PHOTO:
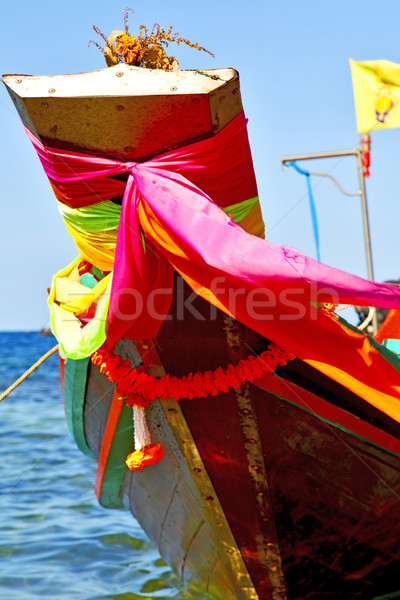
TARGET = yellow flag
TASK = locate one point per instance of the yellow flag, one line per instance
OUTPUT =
(376, 86)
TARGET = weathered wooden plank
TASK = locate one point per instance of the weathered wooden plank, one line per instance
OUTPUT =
(99, 395)
(336, 504)
(127, 112)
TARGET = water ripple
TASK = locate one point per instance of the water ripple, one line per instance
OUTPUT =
(55, 540)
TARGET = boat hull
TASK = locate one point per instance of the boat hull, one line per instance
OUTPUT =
(284, 488)
(268, 491)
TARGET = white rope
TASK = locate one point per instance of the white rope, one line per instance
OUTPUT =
(368, 318)
(142, 434)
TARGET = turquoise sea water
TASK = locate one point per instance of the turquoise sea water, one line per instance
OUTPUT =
(55, 540)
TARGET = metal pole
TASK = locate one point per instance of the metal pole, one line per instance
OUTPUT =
(367, 236)
(365, 217)
(358, 154)
(313, 155)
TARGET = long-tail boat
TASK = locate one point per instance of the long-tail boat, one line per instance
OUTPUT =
(277, 474)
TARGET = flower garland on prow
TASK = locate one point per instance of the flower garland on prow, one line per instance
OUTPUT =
(144, 50)
(139, 389)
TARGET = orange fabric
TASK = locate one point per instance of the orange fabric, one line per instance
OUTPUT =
(253, 222)
(359, 367)
(390, 328)
(322, 341)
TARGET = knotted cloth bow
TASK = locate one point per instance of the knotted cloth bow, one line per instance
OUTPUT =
(174, 200)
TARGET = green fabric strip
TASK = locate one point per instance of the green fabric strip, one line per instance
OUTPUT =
(103, 216)
(239, 211)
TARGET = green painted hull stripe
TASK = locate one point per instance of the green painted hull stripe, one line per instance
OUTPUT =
(75, 379)
(121, 446)
(388, 596)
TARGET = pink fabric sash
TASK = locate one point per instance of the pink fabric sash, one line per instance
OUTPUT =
(185, 228)
(221, 166)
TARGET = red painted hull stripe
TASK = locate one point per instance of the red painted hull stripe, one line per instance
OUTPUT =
(112, 422)
(328, 412)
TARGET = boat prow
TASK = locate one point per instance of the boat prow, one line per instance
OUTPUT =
(279, 479)
(126, 112)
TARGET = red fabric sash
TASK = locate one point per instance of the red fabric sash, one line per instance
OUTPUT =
(185, 229)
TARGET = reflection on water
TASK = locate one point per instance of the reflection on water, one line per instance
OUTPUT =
(55, 540)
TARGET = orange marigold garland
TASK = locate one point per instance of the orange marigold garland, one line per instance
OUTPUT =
(139, 389)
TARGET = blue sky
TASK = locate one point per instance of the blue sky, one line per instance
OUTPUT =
(293, 61)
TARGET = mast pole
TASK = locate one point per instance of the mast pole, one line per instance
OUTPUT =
(364, 207)
(362, 171)
(362, 166)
